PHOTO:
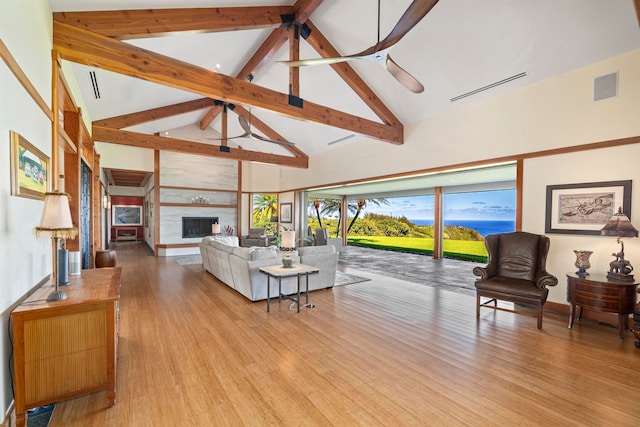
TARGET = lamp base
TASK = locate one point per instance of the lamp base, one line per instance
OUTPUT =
(56, 295)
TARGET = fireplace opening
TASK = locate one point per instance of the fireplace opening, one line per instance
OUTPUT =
(197, 226)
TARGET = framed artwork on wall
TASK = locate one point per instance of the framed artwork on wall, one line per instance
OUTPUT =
(30, 169)
(285, 212)
(126, 215)
(585, 208)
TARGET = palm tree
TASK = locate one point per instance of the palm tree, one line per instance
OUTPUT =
(330, 207)
(361, 203)
(265, 206)
(316, 205)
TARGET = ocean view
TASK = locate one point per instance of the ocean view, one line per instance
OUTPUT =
(483, 227)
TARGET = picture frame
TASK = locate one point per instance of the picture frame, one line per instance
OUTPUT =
(126, 215)
(30, 169)
(585, 208)
(286, 212)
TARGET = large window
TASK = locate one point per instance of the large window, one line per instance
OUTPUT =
(264, 212)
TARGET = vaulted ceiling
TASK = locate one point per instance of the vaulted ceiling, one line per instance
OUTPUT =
(160, 76)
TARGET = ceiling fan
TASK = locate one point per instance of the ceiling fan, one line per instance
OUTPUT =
(246, 126)
(417, 10)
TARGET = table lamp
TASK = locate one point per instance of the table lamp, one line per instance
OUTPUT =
(288, 244)
(56, 223)
(215, 229)
(619, 225)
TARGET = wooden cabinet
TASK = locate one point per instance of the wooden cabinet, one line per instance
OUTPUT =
(68, 348)
(596, 292)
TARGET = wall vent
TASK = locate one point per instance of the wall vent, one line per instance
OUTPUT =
(489, 86)
(605, 87)
(94, 84)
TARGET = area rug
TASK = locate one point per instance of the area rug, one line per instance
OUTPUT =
(189, 259)
(348, 279)
(41, 416)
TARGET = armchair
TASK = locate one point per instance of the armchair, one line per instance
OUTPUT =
(254, 238)
(516, 272)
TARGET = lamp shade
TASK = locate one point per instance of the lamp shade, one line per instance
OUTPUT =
(288, 239)
(215, 228)
(619, 225)
(56, 217)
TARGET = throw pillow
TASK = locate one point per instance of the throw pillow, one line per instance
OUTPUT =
(263, 253)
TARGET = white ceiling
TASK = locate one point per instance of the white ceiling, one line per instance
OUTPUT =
(459, 46)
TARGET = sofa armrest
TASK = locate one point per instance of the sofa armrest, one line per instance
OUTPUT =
(544, 279)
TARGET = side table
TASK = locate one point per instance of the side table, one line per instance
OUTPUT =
(279, 272)
(596, 292)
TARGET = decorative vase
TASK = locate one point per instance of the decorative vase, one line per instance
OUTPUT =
(582, 262)
(287, 261)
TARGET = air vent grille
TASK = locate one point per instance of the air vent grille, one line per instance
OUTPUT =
(489, 86)
(94, 84)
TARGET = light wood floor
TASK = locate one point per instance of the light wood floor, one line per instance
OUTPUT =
(193, 352)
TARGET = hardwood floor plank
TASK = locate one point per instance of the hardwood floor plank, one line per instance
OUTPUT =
(194, 352)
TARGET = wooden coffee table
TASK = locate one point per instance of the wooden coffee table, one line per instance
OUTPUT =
(279, 272)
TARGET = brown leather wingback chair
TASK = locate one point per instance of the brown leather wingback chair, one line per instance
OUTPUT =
(516, 271)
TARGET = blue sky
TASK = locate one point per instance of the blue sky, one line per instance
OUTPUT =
(485, 205)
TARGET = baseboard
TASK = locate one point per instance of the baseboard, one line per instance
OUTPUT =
(608, 318)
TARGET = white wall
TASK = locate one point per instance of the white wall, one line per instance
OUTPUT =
(25, 28)
(124, 157)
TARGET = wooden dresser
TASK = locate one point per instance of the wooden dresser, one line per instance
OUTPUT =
(596, 292)
(67, 348)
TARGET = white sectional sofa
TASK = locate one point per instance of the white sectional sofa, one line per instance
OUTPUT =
(238, 267)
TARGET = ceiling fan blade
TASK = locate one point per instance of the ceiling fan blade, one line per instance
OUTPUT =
(320, 61)
(414, 14)
(273, 141)
(247, 128)
(403, 77)
(245, 125)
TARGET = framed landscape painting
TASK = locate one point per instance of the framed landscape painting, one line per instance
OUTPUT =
(30, 169)
(585, 208)
(285, 212)
(126, 215)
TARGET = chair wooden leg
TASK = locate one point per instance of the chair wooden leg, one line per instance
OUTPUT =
(477, 306)
(539, 317)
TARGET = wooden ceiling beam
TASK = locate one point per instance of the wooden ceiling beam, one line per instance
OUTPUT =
(322, 45)
(636, 3)
(263, 55)
(268, 131)
(153, 142)
(153, 114)
(85, 47)
(130, 24)
(302, 10)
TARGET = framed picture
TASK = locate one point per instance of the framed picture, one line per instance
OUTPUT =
(285, 212)
(126, 215)
(585, 208)
(30, 169)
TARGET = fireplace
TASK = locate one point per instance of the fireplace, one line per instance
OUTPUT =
(197, 226)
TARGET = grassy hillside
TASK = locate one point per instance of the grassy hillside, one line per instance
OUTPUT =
(385, 232)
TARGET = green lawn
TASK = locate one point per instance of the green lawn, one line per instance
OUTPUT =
(460, 249)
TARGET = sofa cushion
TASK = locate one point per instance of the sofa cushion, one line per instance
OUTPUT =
(263, 253)
(242, 252)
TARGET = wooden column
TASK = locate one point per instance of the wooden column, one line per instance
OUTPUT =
(519, 180)
(156, 199)
(437, 223)
(344, 213)
(239, 199)
(72, 174)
